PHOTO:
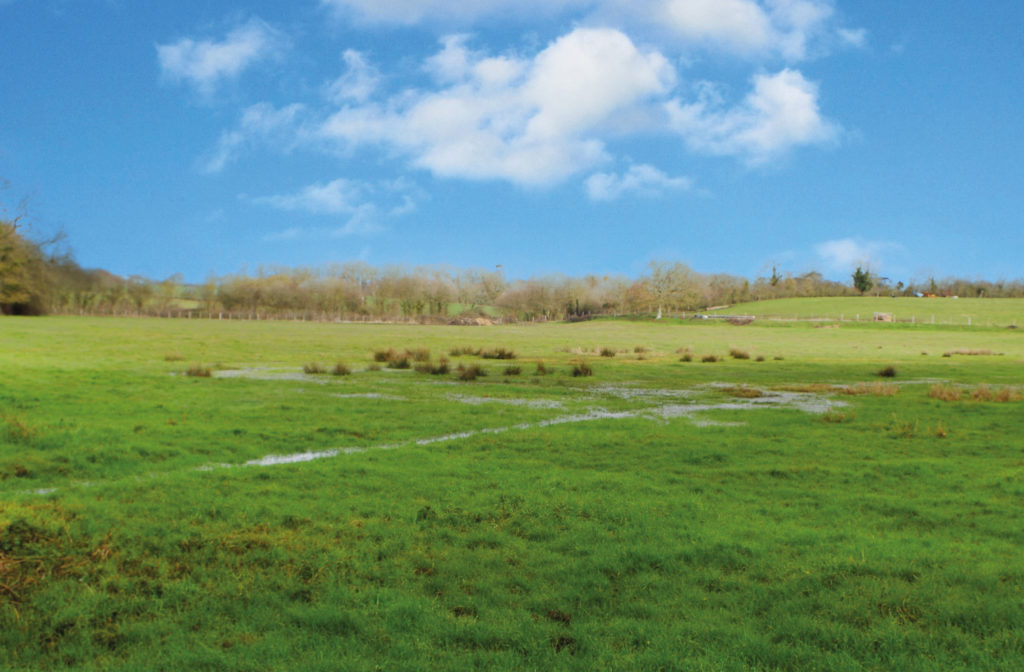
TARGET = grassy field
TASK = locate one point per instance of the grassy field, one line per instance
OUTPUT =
(940, 311)
(785, 507)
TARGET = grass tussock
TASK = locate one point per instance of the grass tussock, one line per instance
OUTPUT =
(174, 357)
(744, 392)
(314, 368)
(512, 370)
(498, 353)
(807, 388)
(19, 431)
(441, 368)
(945, 392)
(736, 353)
(464, 351)
(581, 369)
(607, 352)
(686, 358)
(639, 350)
(710, 359)
(887, 372)
(834, 416)
(199, 371)
(471, 372)
(971, 352)
(542, 369)
(876, 389)
(340, 369)
(981, 393)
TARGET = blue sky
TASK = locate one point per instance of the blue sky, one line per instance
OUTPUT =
(572, 136)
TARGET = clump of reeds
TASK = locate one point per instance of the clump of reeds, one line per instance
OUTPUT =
(710, 359)
(581, 369)
(887, 372)
(471, 372)
(945, 392)
(876, 389)
(314, 368)
(498, 353)
(607, 352)
(340, 369)
(512, 371)
(736, 353)
(199, 371)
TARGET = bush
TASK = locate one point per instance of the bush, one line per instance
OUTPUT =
(580, 369)
(887, 372)
(199, 371)
(341, 370)
(607, 352)
(686, 358)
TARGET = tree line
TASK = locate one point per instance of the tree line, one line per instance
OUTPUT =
(36, 280)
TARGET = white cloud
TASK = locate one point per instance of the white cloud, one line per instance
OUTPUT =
(528, 121)
(747, 27)
(206, 63)
(780, 113)
(409, 12)
(363, 204)
(845, 254)
(260, 123)
(642, 180)
(359, 82)
(853, 37)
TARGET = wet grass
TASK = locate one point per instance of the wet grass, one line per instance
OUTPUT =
(881, 534)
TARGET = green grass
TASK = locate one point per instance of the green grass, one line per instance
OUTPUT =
(678, 522)
(944, 311)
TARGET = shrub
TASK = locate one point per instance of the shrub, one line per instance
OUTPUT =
(341, 370)
(760, 358)
(709, 358)
(313, 367)
(887, 372)
(607, 352)
(736, 353)
(199, 371)
(581, 368)
(471, 372)
(498, 353)
(512, 371)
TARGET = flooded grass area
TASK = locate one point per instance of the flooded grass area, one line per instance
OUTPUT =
(797, 513)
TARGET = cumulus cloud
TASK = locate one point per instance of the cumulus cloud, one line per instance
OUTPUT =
(260, 124)
(781, 112)
(530, 121)
(207, 63)
(845, 254)
(642, 180)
